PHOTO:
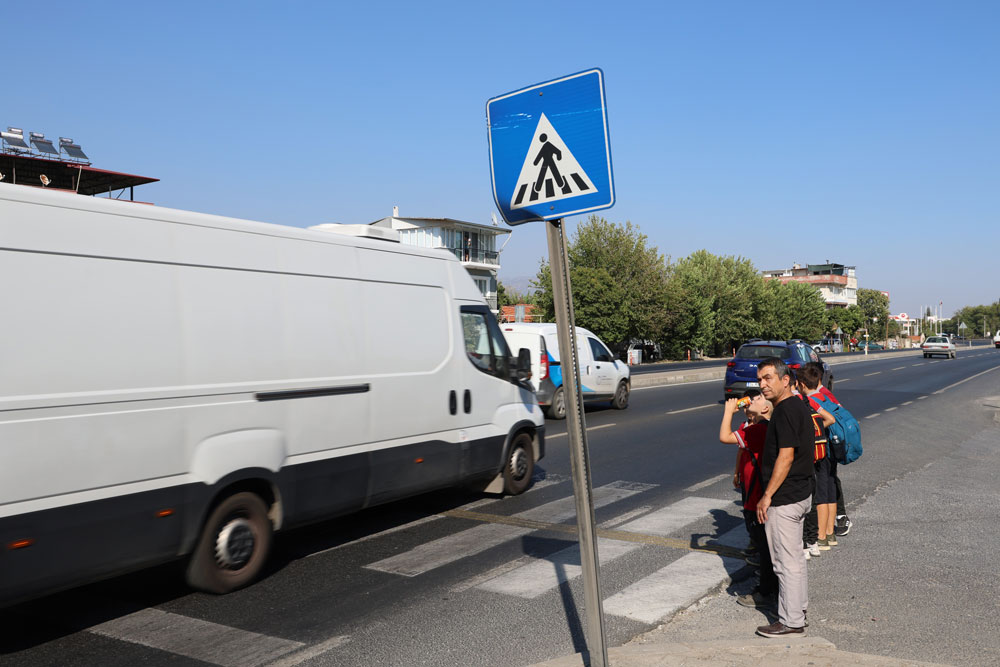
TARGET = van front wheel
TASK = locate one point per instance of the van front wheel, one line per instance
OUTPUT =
(233, 545)
(620, 401)
(520, 465)
(557, 408)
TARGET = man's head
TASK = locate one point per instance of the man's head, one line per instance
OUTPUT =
(775, 379)
(809, 377)
(758, 408)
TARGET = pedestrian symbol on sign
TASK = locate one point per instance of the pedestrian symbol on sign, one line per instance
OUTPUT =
(550, 172)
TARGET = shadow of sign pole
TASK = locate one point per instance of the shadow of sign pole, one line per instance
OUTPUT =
(576, 428)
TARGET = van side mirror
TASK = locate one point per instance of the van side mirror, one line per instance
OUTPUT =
(523, 367)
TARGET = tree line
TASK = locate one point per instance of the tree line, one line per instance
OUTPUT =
(626, 291)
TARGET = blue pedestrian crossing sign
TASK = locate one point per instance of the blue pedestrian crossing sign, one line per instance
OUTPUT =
(550, 154)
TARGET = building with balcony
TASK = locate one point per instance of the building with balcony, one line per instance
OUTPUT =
(837, 283)
(476, 245)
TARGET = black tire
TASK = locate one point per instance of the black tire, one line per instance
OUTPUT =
(829, 385)
(233, 545)
(557, 408)
(519, 466)
(620, 401)
(926, 355)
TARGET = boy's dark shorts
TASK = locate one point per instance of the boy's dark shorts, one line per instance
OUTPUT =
(826, 483)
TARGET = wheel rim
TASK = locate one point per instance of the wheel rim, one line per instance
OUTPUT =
(518, 464)
(559, 404)
(235, 544)
(622, 394)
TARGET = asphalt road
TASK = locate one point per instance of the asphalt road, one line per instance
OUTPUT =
(459, 579)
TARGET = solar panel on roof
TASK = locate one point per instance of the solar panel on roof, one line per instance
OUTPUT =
(14, 140)
(74, 151)
(44, 146)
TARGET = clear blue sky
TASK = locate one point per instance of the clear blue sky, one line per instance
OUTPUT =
(866, 133)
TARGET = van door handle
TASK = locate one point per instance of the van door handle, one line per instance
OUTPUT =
(468, 401)
(453, 402)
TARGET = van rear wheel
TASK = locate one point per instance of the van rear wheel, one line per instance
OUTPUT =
(557, 408)
(620, 401)
(233, 545)
(520, 465)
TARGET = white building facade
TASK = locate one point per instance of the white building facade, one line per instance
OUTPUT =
(477, 246)
(837, 283)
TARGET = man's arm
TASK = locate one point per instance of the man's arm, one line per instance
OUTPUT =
(781, 467)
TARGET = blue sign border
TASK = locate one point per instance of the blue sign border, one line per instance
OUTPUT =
(602, 199)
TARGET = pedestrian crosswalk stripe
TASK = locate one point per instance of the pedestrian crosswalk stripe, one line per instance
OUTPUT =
(194, 638)
(544, 574)
(673, 587)
(550, 172)
(471, 541)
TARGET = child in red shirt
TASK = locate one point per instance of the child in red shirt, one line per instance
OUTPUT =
(750, 438)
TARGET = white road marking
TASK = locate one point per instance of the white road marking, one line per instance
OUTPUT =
(309, 652)
(589, 428)
(971, 377)
(920, 398)
(844, 380)
(890, 409)
(707, 482)
(899, 369)
(549, 480)
(920, 364)
(193, 638)
(673, 587)
(619, 520)
(471, 541)
(544, 574)
(908, 403)
(700, 407)
(873, 416)
(875, 373)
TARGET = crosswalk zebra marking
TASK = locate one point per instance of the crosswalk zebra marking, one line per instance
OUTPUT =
(673, 587)
(194, 638)
(546, 573)
(471, 541)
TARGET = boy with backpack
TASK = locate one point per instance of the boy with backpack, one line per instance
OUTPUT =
(825, 495)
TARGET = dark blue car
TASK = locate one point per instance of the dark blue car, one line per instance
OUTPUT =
(741, 372)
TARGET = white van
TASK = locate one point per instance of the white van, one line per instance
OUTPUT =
(602, 377)
(180, 384)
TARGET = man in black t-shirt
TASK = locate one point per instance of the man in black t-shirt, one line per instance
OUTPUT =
(789, 476)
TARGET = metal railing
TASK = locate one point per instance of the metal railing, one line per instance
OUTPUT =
(477, 256)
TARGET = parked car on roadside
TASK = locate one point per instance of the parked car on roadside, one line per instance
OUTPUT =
(741, 372)
(871, 345)
(996, 340)
(938, 345)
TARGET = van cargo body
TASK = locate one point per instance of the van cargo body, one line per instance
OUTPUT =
(179, 384)
(602, 377)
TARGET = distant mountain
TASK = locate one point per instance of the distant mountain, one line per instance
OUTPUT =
(520, 284)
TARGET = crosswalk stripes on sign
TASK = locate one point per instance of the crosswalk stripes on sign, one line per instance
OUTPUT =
(550, 172)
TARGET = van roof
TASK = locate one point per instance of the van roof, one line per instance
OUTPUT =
(541, 328)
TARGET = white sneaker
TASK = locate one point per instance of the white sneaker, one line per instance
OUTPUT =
(806, 552)
(813, 549)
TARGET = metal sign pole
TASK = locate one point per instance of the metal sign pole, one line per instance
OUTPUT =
(576, 428)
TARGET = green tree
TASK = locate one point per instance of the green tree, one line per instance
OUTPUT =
(619, 283)
(873, 304)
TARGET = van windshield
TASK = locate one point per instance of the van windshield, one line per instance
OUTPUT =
(759, 352)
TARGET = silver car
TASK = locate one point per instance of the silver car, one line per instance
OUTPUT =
(938, 345)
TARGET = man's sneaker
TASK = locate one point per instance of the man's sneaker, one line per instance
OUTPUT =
(757, 600)
(813, 550)
(806, 552)
(843, 526)
(752, 559)
(778, 630)
(831, 540)
(823, 544)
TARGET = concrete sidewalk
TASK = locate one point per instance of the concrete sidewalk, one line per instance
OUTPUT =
(915, 576)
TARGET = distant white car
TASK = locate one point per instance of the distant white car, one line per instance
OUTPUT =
(996, 340)
(938, 345)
